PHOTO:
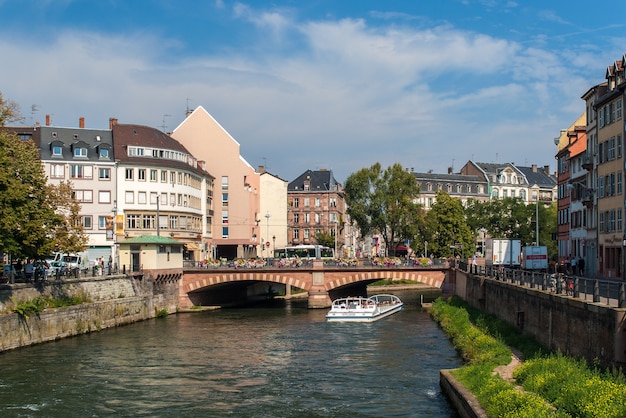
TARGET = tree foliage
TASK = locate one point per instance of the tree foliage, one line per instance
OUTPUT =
(513, 218)
(68, 233)
(383, 202)
(448, 233)
(26, 213)
(29, 220)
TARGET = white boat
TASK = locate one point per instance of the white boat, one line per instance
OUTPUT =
(361, 309)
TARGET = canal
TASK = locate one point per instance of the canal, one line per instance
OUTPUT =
(278, 360)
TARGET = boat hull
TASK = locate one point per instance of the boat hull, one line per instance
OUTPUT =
(360, 309)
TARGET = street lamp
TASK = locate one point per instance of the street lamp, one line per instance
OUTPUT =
(335, 238)
(267, 216)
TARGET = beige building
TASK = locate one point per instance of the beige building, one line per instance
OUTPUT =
(610, 169)
(238, 218)
(273, 204)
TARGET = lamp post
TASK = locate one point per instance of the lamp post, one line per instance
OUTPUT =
(274, 242)
(158, 219)
(267, 216)
(335, 251)
(114, 250)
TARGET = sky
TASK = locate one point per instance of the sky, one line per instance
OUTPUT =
(319, 84)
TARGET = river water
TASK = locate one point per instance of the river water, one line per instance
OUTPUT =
(280, 360)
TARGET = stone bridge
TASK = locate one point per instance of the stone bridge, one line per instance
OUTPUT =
(319, 281)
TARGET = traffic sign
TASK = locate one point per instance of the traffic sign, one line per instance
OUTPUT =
(267, 244)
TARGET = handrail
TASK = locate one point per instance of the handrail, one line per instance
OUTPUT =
(605, 291)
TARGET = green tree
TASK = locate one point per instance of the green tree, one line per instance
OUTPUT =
(384, 202)
(68, 234)
(325, 239)
(26, 213)
(447, 230)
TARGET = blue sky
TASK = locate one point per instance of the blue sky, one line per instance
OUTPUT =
(319, 84)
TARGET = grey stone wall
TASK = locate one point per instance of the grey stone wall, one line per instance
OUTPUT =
(573, 326)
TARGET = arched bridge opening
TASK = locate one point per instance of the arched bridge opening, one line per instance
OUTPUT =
(203, 287)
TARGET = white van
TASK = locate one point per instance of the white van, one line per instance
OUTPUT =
(78, 260)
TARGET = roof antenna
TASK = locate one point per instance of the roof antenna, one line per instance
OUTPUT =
(164, 125)
(187, 110)
(33, 109)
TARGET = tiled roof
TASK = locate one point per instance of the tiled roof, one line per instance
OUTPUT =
(320, 181)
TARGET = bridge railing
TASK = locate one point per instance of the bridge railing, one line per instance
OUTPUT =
(606, 291)
(307, 263)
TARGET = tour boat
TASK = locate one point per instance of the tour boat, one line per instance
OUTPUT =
(361, 309)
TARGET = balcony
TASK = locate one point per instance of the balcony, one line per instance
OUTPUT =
(587, 198)
(587, 162)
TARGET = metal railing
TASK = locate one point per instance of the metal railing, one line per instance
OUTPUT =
(307, 263)
(610, 292)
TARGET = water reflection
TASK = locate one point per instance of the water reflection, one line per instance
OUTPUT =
(270, 362)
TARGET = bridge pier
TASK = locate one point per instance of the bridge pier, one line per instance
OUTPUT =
(319, 297)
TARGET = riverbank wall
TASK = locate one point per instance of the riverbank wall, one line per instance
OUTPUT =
(115, 301)
(575, 327)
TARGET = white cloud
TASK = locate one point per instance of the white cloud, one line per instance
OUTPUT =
(352, 94)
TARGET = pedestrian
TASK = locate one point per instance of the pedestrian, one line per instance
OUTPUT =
(18, 268)
(29, 269)
(581, 267)
(573, 264)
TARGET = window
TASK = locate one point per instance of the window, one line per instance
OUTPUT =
(104, 196)
(78, 171)
(224, 216)
(619, 182)
(104, 153)
(317, 218)
(296, 218)
(318, 202)
(163, 176)
(129, 173)
(307, 218)
(153, 175)
(57, 151)
(102, 222)
(307, 202)
(172, 199)
(87, 222)
(173, 222)
(133, 221)
(163, 200)
(619, 146)
(619, 109)
(224, 232)
(296, 234)
(129, 197)
(104, 173)
(172, 177)
(224, 182)
(83, 196)
(296, 202)
(57, 171)
(142, 198)
(153, 198)
(307, 234)
(148, 222)
(332, 202)
(224, 199)
(80, 152)
(141, 174)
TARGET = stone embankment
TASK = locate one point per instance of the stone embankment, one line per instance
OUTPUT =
(115, 300)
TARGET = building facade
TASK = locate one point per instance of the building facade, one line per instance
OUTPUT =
(457, 186)
(162, 189)
(316, 204)
(610, 172)
(238, 225)
(273, 226)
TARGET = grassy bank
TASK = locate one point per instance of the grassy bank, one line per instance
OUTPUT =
(552, 385)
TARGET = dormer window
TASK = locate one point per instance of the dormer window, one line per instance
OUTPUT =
(80, 152)
(57, 151)
(104, 153)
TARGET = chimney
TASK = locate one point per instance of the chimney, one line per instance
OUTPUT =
(261, 169)
(449, 170)
(534, 167)
(112, 123)
(47, 120)
(81, 122)
(546, 169)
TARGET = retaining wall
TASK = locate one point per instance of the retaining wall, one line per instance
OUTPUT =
(116, 300)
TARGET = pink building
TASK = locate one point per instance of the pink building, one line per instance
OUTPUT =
(237, 223)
